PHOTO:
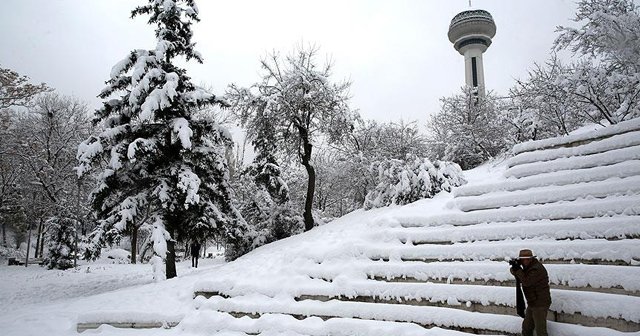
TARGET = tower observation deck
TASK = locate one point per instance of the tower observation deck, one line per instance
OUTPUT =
(471, 32)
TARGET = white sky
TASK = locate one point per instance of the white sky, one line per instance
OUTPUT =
(396, 53)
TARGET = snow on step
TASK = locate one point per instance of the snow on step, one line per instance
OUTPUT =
(617, 227)
(429, 316)
(569, 275)
(627, 250)
(627, 205)
(619, 170)
(578, 162)
(210, 322)
(126, 319)
(614, 142)
(550, 194)
(589, 304)
(620, 128)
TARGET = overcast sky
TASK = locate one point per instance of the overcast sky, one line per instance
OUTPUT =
(396, 53)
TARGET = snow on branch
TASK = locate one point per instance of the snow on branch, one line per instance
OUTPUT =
(402, 182)
(183, 131)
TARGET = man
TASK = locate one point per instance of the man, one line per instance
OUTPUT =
(535, 285)
(195, 253)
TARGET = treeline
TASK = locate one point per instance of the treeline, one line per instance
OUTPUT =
(156, 167)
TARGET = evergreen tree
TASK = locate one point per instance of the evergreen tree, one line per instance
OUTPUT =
(165, 167)
(61, 245)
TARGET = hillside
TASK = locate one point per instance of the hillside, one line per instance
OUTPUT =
(434, 267)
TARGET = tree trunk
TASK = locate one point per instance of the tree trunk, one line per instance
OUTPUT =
(4, 234)
(26, 261)
(38, 239)
(311, 186)
(171, 259)
(134, 243)
(43, 236)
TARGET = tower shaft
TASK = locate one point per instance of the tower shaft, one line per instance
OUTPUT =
(474, 69)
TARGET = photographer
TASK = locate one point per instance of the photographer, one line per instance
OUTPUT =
(535, 285)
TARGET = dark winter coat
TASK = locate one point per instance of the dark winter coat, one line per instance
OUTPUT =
(195, 249)
(535, 284)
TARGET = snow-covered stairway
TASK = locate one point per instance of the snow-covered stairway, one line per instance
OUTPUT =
(437, 267)
(574, 200)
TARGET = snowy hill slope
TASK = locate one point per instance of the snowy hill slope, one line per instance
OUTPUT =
(437, 267)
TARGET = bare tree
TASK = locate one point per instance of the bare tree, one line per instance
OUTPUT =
(606, 76)
(302, 105)
(15, 90)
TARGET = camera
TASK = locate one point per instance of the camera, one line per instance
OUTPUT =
(514, 262)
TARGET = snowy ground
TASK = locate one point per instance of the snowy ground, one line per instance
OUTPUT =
(37, 301)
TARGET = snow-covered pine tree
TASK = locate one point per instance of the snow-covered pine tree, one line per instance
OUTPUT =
(61, 246)
(163, 166)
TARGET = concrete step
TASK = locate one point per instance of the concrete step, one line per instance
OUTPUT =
(551, 194)
(425, 316)
(613, 205)
(578, 139)
(80, 327)
(482, 307)
(590, 251)
(607, 144)
(211, 322)
(126, 320)
(573, 163)
(509, 283)
(620, 312)
(565, 177)
(598, 278)
(610, 228)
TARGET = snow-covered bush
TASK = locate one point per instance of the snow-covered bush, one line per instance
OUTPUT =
(263, 201)
(405, 181)
(115, 256)
(61, 247)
